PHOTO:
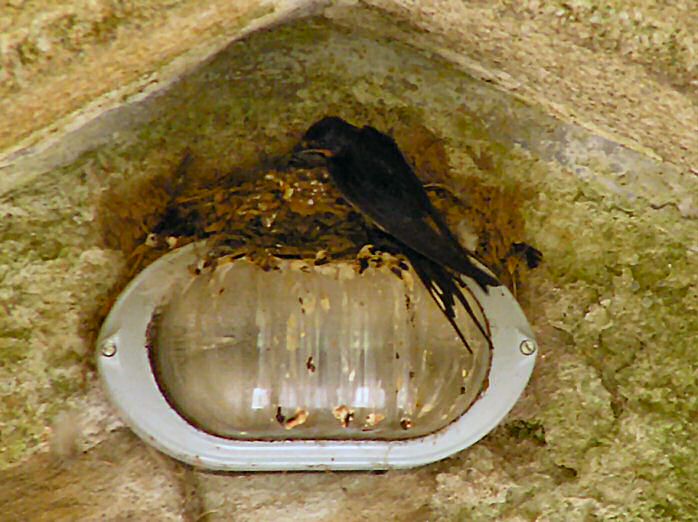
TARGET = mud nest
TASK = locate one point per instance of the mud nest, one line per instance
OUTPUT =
(298, 213)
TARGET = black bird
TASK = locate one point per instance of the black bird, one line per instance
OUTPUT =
(374, 177)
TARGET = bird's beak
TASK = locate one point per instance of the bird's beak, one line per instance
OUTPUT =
(304, 156)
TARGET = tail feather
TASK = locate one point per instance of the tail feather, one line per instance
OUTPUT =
(445, 288)
(482, 277)
(464, 261)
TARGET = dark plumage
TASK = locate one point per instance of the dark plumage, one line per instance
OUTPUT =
(531, 254)
(374, 177)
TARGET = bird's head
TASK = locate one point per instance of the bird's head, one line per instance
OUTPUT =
(324, 139)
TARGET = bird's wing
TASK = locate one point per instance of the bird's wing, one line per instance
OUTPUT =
(380, 183)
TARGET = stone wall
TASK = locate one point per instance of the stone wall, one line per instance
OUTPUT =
(588, 106)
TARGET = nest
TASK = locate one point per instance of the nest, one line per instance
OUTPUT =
(290, 213)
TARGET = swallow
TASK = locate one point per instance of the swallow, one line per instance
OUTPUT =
(375, 178)
(530, 254)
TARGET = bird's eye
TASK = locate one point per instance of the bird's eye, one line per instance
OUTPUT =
(236, 367)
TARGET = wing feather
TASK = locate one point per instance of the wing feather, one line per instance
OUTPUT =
(375, 177)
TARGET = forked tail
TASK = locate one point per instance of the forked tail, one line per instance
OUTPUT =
(445, 288)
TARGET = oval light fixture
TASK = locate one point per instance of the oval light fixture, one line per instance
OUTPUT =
(235, 367)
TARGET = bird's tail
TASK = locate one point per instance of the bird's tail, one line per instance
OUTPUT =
(460, 259)
(445, 288)
(476, 270)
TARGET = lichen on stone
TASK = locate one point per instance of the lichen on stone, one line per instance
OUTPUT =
(605, 429)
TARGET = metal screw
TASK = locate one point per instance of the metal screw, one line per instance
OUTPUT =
(109, 347)
(528, 347)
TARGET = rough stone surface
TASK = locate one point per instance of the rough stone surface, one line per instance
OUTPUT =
(120, 479)
(50, 52)
(604, 431)
(625, 69)
(318, 496)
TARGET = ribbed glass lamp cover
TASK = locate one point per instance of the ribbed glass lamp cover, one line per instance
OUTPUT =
(312, 352)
